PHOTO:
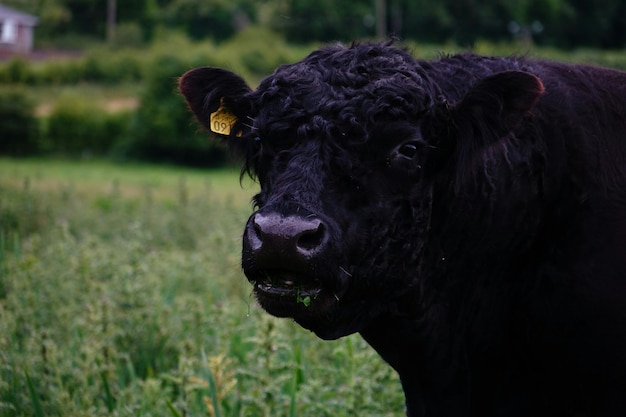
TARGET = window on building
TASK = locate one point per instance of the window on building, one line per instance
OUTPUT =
(8, 31)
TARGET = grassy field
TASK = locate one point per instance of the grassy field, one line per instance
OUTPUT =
(121, 295)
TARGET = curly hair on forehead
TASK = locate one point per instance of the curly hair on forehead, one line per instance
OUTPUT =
(345, 86)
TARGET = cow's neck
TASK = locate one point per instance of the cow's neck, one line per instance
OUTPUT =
(428, 358)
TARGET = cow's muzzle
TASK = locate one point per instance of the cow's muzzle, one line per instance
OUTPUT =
(274, 238)
(286, 257)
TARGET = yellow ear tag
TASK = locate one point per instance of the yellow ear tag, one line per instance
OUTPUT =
(222, 121)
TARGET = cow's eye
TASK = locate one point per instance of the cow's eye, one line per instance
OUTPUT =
(405, 155)
(408, 150)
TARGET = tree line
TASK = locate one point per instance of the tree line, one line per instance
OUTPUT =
(558, 23)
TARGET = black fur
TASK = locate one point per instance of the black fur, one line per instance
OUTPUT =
(469, 219)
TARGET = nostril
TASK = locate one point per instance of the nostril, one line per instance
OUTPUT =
(313, 238)
(254, 234)
(258, 232)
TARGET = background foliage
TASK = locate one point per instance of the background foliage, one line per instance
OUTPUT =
(18, 126)
(560, 23)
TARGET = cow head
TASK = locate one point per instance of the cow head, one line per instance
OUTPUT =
(348, 146)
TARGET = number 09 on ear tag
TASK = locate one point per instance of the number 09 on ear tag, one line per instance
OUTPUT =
(222, 121)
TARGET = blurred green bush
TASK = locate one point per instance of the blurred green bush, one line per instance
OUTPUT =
(161, 129)
(19, 128)
(77, 126)
(254, 52)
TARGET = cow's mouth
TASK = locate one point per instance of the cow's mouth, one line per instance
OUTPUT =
(276, 283)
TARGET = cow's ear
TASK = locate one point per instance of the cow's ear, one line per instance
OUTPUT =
(217, 98)
(500, 102)
(492, 109)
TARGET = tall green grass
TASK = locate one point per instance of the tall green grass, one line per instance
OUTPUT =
(121, 294)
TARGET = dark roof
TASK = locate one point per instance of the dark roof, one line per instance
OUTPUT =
(26, 19)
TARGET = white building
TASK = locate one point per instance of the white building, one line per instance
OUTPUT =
(16, 31)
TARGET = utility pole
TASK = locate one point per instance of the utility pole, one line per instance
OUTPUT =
(111, 20)
(381, 19)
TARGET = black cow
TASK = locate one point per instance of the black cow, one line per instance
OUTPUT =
(467, 216)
